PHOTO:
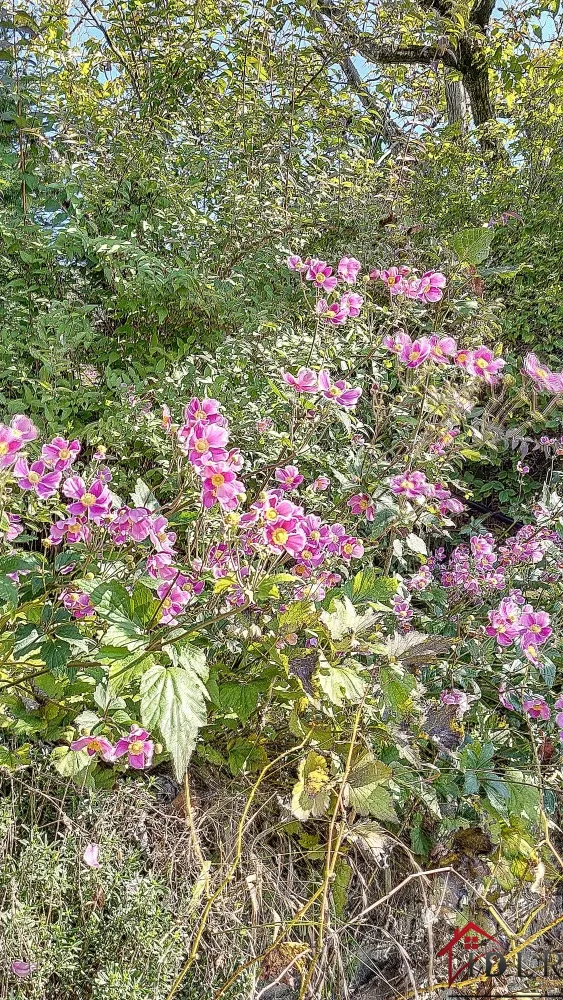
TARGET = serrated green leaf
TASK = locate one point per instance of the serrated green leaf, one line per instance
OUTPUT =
(367, 586)
(246, 756)
(8, 592)
(241, 699)
(472, 246)
(173, 701)
(123, 672)
(55, 655)
(364, 779)
(340, 684)
(69, 763)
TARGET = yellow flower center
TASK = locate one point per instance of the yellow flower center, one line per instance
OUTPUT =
(136, 746)
(320, 278)
(334, 390)
(4, 448)
(535, 628)
(315, 535)
(531, 649)
(88, 499)
(437, 349)
(201, 446)
(271, 514)
(348, 548)
(34, 477)
(217, 479)
(64, 453)
(94, 745)
(391, 280)
(406, 484)
(541, 372)
(73, 529)
(414, 355)
(280, 536)
(306, 554)
(162, 536)
(481, 363)
(462, 358)
(200, 414)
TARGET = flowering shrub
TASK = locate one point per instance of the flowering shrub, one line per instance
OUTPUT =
(268, 595)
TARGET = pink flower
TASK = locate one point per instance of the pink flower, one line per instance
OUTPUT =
(451, 506)
(321, 484)
(60, 453)
(90, 856)
(351, 303)
(455, 697)
(162, 539)
(504, 631)
(444, 441)
(348, 269)
(35, 477)
(205, 443)
(416, 353)
(203, 411)
(22, 969)
(78, 603)
(430, 286)
(334, 313)
(412, 485)
(531, 652)
(289, 478)
(340, 391)
(464, 359)
(536, 628)
(220, 485)
(10, 444)
(71, 528)
(295, 263)
(522, 469)
(306, 380)
(504, 697)
(374, 274)
(94, 745)
(264, 424)
(285, 535)
(361, 503)
(320, 273)
(484, 364)
(536, 707)
(538, 373)
(23, 428)
(397, 342)
(351, 548)
(393, 279)
(13, 529)
(442, 349)
(130, 524)
(138, 746)
(93, 501)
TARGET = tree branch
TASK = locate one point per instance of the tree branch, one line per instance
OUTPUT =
(481, 13)
(387, 55)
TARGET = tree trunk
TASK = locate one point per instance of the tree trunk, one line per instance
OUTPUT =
(455, 102)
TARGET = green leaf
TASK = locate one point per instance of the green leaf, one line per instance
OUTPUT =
(56, 655)
(341, 683)
(268, 587)
(69, 763)
(8, 592)
(12, 760)
(173, 701)
(472, 246)
(27, 640)
(397, 689)
(367, 586)
(241, 699)
(381, 806)
(123, 672)
(246, 756)
(363, 782)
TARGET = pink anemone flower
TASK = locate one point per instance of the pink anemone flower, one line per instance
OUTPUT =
(138, 746)
(536, 707)
(306, 380)
(36, 477)
(416, 353)
(10, 444)
(348, 269)
(91, 501)
(334, 313)
(94, 745)
(59, 454)
(339, 391)
(485, 365)
(320, 273)
(430, 286)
